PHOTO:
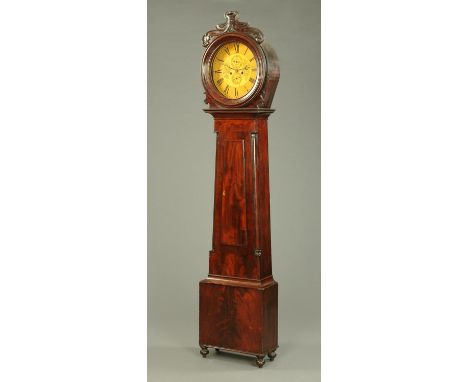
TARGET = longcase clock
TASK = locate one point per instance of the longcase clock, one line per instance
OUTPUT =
(239, 298)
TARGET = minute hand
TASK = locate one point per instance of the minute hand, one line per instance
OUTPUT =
(230, 67)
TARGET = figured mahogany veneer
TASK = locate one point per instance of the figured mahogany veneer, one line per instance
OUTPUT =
(239, 299)
(241, 221)
(239, 318)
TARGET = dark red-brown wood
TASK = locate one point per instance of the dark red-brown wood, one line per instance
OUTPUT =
(240, 318)
(241, 221)
(239, 298)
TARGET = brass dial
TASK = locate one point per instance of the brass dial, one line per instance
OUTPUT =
(234, 70)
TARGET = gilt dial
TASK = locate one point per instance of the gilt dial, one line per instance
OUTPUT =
(234, 70)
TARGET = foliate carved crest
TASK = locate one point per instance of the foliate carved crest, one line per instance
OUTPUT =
(232, 24)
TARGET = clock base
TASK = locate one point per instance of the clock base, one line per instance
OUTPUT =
(239, 317)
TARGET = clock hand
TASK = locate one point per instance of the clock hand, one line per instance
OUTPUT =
(231, 68)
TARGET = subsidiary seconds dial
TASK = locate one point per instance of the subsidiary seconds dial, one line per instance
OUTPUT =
(234, 70)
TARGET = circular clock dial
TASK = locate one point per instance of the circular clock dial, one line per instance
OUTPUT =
(234, 70)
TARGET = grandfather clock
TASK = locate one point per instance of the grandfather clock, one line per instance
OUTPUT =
(239, 298)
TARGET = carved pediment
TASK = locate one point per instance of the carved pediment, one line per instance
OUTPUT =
(232, 24)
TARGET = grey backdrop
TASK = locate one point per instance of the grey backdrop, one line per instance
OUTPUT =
(181, 153)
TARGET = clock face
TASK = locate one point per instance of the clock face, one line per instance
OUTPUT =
(234, 70)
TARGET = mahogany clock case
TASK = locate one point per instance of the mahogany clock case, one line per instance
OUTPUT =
(181, 175)
(239, 299)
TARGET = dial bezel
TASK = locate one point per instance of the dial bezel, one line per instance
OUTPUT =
(207, 65)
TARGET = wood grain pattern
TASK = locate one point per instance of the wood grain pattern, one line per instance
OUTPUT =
(239, 298)
(233, 199)
(238, 318)
(241, 223)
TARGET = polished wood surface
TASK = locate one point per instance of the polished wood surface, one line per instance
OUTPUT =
(239, 298)
(239, 318)
(241, 220)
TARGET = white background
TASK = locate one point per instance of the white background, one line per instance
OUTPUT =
(73, 191)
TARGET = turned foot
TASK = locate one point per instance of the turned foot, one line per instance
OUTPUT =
(272, 355)
(260, 361)
(204, 351)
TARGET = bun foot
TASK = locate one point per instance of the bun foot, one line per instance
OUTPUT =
(272, 355)
(217, 350)
(204, 351)
(260, 361)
